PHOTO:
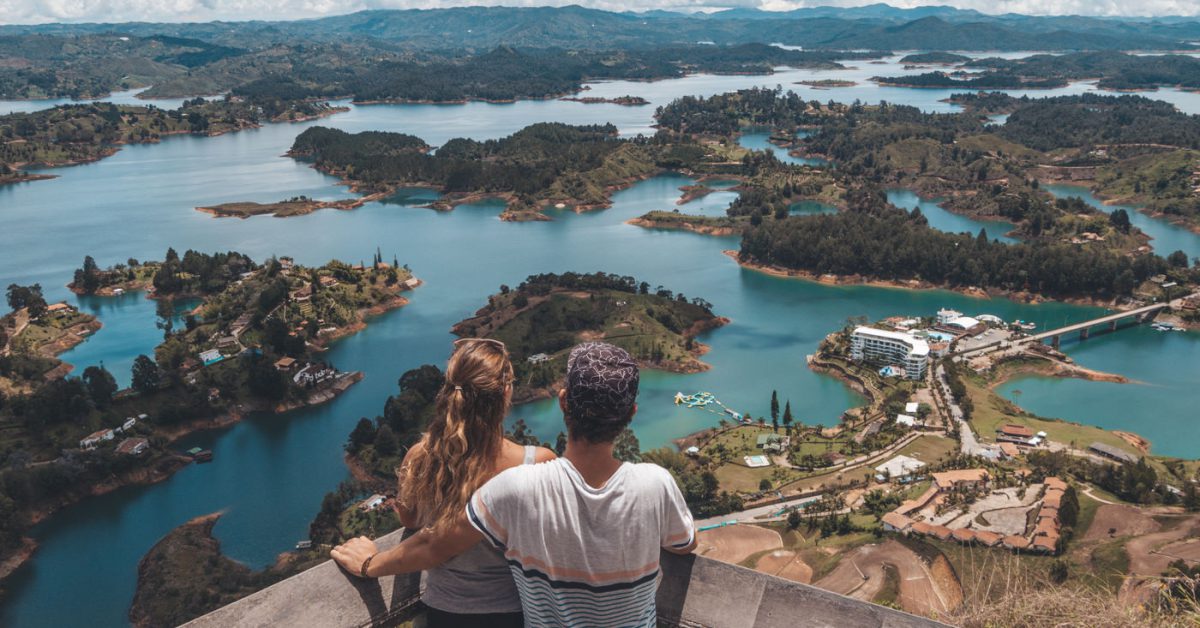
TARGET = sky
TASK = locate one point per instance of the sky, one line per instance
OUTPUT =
(41, 11)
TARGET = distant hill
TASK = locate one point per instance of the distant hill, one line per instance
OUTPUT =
(876, 26)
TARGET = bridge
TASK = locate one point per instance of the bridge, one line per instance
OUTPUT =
(1139, 315)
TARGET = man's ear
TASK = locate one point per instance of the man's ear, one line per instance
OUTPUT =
(633, 413)
(562, 401)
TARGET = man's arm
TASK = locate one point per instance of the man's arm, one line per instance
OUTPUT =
(424, 550)
(687, 549)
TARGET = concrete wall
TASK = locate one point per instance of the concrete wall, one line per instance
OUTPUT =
(695, 591)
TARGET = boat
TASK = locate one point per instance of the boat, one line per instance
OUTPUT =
(303, 545)
(1025, 326)
(1164, 327)
(200, 455)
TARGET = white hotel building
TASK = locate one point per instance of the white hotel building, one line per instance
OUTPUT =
(890, 348)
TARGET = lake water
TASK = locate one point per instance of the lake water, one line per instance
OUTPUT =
(1167, 238)
(270, 472)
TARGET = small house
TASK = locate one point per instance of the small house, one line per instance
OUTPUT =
(896, 522)
(95, 438)
(538, 358)
(285, 364)
(211, 356)
(371, 503)
(906, 420)
(133, 446)
(129, 423)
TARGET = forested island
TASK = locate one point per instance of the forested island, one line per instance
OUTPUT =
(934, 58)
(252, 344)
(544, 316)
(74, 134)
(543, 164)
(1110, 69)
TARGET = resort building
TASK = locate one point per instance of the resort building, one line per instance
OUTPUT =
(1112, 453)
(970, 478)
(890, 348)
(898, 468)
(945, 315)
(95, 438)
(896, 522)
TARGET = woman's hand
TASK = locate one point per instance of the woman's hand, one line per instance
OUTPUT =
(353, 553)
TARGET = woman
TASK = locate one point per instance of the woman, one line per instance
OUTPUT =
(463, 449)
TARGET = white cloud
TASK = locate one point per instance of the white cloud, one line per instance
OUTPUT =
(37, 11)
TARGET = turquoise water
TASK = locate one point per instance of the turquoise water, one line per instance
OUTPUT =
(943, 220)
(1167, 238)
(762, 141)
(270, 472)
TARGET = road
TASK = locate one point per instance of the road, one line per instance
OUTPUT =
(970, 444)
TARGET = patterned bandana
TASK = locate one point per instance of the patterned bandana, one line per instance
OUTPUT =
(602, 381)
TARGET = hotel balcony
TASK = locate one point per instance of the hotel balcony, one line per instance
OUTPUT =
(694, 592)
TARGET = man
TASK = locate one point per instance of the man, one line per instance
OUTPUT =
(582, 534)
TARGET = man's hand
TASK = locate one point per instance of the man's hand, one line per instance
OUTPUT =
(353, 553)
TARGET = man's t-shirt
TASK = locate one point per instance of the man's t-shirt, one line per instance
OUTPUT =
(583, 556)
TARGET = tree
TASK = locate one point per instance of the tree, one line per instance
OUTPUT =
(794, 519)
(626, 447)
(764, 484)
(100, 384)
(1178, 259)
(386, 443)
(27, 296)
(88, 277)
(1119, 219)
(787, 413)
(775, 405)
(146, 376)
(362, 435)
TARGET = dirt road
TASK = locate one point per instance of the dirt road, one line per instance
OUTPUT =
(922, 591)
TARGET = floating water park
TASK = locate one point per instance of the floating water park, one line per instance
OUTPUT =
(707, 401)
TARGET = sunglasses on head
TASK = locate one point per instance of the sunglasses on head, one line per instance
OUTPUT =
(488, 341)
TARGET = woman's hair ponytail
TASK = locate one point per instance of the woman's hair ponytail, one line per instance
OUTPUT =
(464, 440)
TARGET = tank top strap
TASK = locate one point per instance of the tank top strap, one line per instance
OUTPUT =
(530, 454)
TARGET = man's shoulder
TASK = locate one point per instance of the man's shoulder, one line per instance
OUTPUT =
(524, 475)
(649, 476)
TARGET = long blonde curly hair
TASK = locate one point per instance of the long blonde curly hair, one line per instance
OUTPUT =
(459, 452)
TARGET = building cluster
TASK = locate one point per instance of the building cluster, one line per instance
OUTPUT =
(1045, 536)
(906, 347)
(132, 446)
(307, 374)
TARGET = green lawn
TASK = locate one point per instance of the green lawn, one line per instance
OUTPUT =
(930, 448)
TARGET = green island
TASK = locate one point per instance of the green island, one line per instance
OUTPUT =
(74, 134)
(541, 165)
(827, 83)
(252, 344)
(934, 58)
(544, 316)
(1111, 70)
(295, 206)
(628, 101)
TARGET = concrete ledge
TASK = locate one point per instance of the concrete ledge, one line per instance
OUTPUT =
(694, 592)
(322, 596)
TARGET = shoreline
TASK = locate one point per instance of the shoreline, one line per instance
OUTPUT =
(911, 284)
(683, 225)
(1128, 201)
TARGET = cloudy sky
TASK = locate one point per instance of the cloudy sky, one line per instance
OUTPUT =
(37, 11)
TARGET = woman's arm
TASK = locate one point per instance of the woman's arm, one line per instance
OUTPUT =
(419, 552)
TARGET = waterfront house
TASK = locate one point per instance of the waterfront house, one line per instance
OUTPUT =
(129, 423)
(133, 446)
(1017, 434)
(313, 374)
(210, 356)
(95, 438)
